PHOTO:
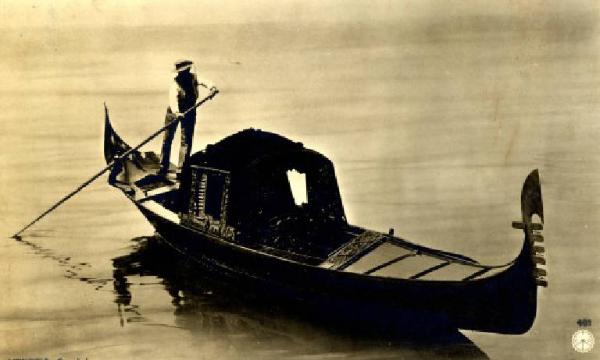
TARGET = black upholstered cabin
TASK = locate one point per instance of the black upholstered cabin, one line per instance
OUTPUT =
(260, 205)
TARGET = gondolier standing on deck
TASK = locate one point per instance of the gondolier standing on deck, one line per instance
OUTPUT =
(183, 95)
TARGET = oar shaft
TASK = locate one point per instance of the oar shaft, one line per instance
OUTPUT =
(65, 198)
(111, 164)
(162, 129)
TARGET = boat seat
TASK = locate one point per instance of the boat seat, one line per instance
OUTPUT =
(152, 185)
(161, 190)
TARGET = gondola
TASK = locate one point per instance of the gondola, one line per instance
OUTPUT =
(232, 212)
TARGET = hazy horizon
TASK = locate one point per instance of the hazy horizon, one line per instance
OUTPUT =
(140, 13)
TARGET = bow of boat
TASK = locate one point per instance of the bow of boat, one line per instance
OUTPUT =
(134, 174)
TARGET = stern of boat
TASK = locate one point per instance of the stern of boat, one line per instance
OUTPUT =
(114, 146)
(131, 168)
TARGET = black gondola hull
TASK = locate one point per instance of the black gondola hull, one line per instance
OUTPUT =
(505, 303)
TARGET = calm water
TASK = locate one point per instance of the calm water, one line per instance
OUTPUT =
(433, 127)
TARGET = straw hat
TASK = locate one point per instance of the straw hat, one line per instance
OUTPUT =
(181, 65)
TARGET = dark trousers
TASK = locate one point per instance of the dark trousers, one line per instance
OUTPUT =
(187, 135)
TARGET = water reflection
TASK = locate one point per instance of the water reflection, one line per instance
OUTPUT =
(214, 311)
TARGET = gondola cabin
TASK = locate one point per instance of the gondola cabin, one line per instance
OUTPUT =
(240, 188)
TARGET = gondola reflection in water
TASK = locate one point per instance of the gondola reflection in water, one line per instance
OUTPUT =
(224, 315)
(233, 213)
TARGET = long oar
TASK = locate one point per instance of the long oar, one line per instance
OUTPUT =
(111, 164)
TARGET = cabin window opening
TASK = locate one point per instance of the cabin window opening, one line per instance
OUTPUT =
(297, 182)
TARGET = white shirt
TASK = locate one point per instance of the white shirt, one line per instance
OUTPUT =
(203, 90)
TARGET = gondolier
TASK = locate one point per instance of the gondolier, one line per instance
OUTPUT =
(183, 94)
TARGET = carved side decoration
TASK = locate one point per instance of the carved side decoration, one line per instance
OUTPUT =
(209, 187)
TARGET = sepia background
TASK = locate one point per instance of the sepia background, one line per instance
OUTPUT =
(432, 112)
